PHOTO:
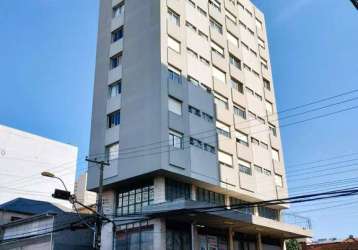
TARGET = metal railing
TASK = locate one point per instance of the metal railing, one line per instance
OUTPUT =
(294, 219)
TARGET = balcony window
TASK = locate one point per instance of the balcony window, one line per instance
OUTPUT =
(114, 119)
(207, 117)
(173, 17)
(174, 74)
(216, 26)
(235, 62)
(230, 16)
(118, 10)
(205, 195)
(174, 105)
(117, 34)
(258, 24)
(225, 159)
(195, 142)
(221, 102)
(216, 4)
(111, 151)
(219, 74)
(275, 154)
(209, 148)
(242, 138)
(235, 84)
(269, 107)
(194, 111)
(278, 180)
(223, 129)
(268, 213)
(115, 89)
(116, 61)
(217, 49)
(233, 39)
(267, 84)
(273, 130)
(175, 139)
(193, 81)
(173, 44)
(245, 167)
(261, 43)
(177, 190)
(240, 111)
(190, 26)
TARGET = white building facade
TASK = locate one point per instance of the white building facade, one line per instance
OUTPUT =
(23, 156)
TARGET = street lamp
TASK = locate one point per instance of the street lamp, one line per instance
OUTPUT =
(51, 175)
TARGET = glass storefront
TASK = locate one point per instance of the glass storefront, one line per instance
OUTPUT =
(135, 239)
(212, 242)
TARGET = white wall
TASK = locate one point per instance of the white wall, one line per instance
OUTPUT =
(23, 156)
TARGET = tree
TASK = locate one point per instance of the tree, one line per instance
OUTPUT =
(292, 245)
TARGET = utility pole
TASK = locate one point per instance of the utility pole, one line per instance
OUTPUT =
(97, 239)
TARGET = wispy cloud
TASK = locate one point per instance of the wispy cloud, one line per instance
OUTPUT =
(292, 10)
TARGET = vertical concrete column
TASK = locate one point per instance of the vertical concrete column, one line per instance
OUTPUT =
(227, 201)
(256, 211)
(259, 242)
(159, 234)
(231, 238)
(283, 243)
(109, 205)
(193, 236)
(193, 192)
(159, 190)
(107, 237)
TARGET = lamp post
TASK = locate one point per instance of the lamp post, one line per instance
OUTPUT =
(51, 175)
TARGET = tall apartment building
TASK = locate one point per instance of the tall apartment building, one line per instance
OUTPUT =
(197, 72)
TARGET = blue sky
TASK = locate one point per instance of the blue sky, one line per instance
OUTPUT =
(47, 70)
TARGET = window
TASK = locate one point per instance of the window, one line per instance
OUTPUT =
(258, 169)
(225, 159)
(191, 3)
(247, 67)
(243, 209)
(190, 26)
(273, 130)
(173, 44)
(230, 16)
(264, 145)
(194, 111)
(217, 49)
(240, 111)
(223, 129)
(234, 61)
(209, 196)
(255, 141)
(201, 11)
(267, 84)
(175, 139)
(258, 24)
(174, 74)
(263, 63)
(278, 180)
(275, 154)
(219, 74)
(195, 142)
(114, 119)
(251, 32)
(173, 17)
(216, 26)
(203, 35)
(118, 10)
(176, 190)
(193, 81)
(135, 238)
(248, 12)
(259, 97)
(261, 43)
(240, 5)
(117, 34)
(268, 213)
(133, 200)
(261, 120)
(251, 115)
(216, 4)
(175, 105)
(267, 172)
(233, 39)
(203, 60)
(256, 73)
(115, 89)
(245, 46)
(269, 107)
(221, 102)
(250, 91)
(242, 138)
(112, 151)
(207, 117)
(209, 148)
(116, 61)
(192, 53)
(239, 86)
(245, 167)
(242, 25)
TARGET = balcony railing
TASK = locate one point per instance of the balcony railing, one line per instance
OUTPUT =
(294, 219)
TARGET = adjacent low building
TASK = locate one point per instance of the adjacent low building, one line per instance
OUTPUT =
(350, 243)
